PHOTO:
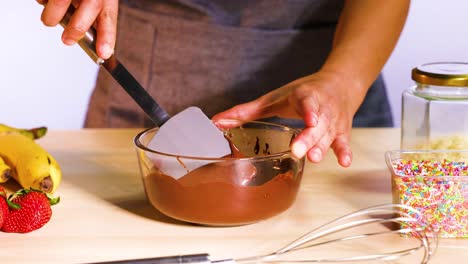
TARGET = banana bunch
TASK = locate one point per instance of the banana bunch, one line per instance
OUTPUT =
(22, 159)
(32, 133)
(5, 171)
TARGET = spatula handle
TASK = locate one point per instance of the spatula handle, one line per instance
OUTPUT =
(126, 80)
(88, 42)
(195, 258)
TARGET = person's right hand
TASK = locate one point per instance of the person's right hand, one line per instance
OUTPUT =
(102, 14)
(326, 101)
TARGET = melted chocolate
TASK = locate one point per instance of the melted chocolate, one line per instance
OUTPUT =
(211, 195)
(226, 192)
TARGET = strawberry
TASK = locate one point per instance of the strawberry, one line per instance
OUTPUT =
(29, 210)
(3, 207)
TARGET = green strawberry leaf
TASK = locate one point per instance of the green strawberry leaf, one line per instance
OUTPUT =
(52, 200)
(13, 205)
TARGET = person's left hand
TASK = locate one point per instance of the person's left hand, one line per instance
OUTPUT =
(325, 102)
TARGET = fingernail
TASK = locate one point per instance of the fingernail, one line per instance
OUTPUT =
(106, 51)
(346, 160)
(316, 155)
(299, 149)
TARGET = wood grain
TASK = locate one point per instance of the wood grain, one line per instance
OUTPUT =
(104, 214)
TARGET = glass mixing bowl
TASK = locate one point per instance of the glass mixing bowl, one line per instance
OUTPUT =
(260, 181)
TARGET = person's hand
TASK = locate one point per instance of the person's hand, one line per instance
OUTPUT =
(325, 102)
(102, 14)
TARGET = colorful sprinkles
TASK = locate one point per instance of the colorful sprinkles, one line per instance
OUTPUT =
(438, 189)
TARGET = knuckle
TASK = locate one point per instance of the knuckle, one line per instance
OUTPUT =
(61, 3)
(310, 140)
(326, 116)
(76, 31)
(301, 89)
(107, 15)
(91, 4)
(96, 4)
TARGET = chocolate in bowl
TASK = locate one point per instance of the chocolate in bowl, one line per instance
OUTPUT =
(261, 183)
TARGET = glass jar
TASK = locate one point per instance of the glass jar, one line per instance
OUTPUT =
(435, 109)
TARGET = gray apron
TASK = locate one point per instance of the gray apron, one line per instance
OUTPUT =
(217, 54)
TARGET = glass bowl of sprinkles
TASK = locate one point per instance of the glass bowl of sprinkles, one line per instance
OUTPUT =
(434, 182)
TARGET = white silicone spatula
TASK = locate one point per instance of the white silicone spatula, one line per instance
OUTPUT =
(189, 133)
(181, 135)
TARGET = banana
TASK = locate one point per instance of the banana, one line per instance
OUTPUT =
(31, 165)
(32, 133)
(5, 171)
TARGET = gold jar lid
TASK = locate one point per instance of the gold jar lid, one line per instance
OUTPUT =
(442, 74)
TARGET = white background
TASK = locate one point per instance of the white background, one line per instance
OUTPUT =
(44, 82)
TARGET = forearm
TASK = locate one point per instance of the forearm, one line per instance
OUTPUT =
(366, 34)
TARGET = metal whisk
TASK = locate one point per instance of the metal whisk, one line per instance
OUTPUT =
(407, 222)
(395, 220)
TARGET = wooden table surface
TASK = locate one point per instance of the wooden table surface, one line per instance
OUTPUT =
(104, 215)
